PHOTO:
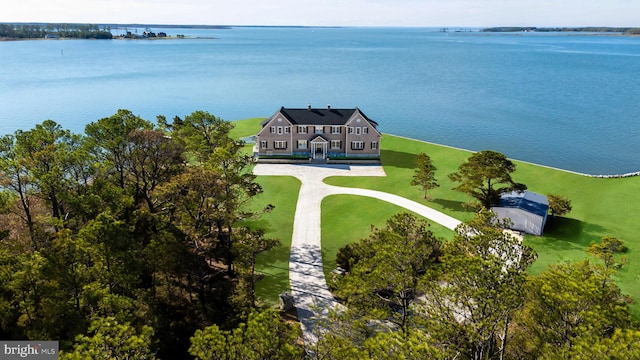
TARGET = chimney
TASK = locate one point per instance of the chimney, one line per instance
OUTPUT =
(329, 107)
(309, 106)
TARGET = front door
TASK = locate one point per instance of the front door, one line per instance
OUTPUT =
(319, 150)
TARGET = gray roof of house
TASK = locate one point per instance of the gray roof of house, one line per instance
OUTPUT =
(526, 200)
(323, 116)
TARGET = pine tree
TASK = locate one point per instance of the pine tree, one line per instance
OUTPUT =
(425, 174)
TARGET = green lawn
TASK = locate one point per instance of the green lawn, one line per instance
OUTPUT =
(246, 127)
(357, 214)
(282, 192)
(600, 207)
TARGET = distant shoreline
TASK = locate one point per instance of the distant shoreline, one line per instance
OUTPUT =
(603, 30)
(37, 31)
(115, 37)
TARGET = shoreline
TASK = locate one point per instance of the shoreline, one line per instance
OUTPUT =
(118, 37)
(598, 176)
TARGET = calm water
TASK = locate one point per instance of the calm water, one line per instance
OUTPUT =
(566, 101)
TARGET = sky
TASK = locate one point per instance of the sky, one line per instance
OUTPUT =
(428, 13)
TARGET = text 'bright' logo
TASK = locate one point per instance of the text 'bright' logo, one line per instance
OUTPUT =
(29, 349)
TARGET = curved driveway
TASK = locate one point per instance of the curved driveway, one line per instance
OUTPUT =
(308, 286)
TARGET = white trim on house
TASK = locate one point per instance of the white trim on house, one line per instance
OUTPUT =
(337, 128)
(319, 144)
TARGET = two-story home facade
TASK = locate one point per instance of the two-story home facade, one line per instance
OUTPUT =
(319, 134)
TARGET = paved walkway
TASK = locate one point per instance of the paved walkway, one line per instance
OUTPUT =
(308, 285)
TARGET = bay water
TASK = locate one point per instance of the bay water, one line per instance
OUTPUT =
(567, 101)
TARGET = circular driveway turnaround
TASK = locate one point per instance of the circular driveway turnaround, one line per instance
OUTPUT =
(311, 295)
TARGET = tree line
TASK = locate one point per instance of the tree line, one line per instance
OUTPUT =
(595, 29)
(130, 228)
(485, 176)
(410, 295)
(39, 31)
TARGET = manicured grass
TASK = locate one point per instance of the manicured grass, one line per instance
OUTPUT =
(600, 206)
(349, 218)
(398, 158)
(246, 127)
(282, 192)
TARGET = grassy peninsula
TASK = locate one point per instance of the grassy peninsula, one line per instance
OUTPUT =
(601, 207)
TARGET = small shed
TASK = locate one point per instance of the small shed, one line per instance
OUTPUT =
(526, 210)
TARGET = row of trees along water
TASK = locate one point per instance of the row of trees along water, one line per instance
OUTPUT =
(130, 228)
(587, 29)
(39, 31)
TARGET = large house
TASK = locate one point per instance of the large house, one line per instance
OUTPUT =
(319, 134)
(526, 210)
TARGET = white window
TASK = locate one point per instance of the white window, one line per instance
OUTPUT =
(287, 129)
(365, 130)
(273, 129)
(319, 129)
(350, 130)
(280, 145)
(302, 144)
(335, 129)
(358, 130)
(374, 145)
(263, 144)
(302, 129)
(336, 144)
(279, 130)
(357, 145)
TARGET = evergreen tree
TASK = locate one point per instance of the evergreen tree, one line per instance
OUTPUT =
(385, 279)
(263, 336)
(471, 300)
(425, 174)
(606, 251)
(558, 205)
(569, 302)
(485, 176)
(108, 339)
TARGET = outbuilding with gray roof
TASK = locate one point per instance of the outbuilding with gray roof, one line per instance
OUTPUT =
(526, 210)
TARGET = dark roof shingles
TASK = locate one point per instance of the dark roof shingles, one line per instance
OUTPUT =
(320, 116)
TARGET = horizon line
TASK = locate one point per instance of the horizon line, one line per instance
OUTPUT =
(175, 25)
